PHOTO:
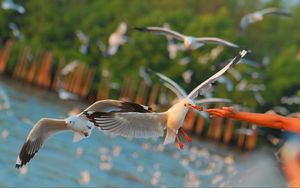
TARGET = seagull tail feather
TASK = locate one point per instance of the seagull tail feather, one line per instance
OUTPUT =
(170, 137)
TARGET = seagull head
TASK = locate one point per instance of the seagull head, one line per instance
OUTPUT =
(71, 121)
(189, 104)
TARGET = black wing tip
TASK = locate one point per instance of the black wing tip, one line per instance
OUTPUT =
(24, 157)
(140, 28)
(245, 49)
(19, 166)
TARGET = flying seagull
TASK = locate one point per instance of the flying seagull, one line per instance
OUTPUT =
(189, 42)
(9, 4)
(133, 124)
(84, 40)
(79, 124)
(259, 15)
(63, 93)
(117, 38)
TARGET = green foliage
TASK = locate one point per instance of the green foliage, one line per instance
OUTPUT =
(51, 25)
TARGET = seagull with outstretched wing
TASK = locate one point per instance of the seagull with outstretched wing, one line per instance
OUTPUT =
(259, 15)
(189, 42)
(82, 127)
(151, 124)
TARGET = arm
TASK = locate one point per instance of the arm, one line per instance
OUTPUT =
(267, 120)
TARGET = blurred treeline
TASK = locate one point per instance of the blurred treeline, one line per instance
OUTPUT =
(51, 25)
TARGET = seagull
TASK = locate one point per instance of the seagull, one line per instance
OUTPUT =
(16, 31)
(152, 124)
(9, 4)
(258, 16)
(84, 39)
(63, 93)
(189, 42)
(187, 76)
(117, 38)
(80, 124)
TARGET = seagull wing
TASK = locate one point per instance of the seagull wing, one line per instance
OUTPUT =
(215, 40)
(212, 100)
(36, 138)
(207, 83)
(162, 31)
(117, 106)
(69, 67)
(180, 93)
(275, 11)
(129, 124)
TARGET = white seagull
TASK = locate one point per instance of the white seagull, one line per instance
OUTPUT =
(9, 4)
(117, 38)
(145, 125)
(63, 93)
(84, 40)
(79, 124)
(258, 16)
(189, 42)
(16, 31)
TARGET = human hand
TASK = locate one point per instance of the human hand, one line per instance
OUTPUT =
(223, 112)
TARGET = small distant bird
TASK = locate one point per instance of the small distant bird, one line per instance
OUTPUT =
(16, 31)
(80, 124)
(9, 4)
(189, 42)
(258, 16)
(187, 76)
(151, 124)
(84, 40)
(63, 93)
(117, 38)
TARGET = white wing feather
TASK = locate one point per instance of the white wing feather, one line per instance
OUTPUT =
(214, 77)
(180, 93)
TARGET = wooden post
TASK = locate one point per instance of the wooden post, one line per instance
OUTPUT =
(142, 93)
(103, 91)
(228, 131)
(132, 89)
(88, 83)
(4, 55)
(78, 79)
(218, 128)
(241, 137)
(44, 76)
(250, 142)
(153, 95)
(57, 76)
(200, 125)
(215, 128)
(18, 68)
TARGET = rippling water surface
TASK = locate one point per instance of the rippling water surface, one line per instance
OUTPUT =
(102, 160)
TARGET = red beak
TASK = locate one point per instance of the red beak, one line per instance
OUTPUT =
(197, 108)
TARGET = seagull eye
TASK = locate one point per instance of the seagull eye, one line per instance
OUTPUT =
(89, 127)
